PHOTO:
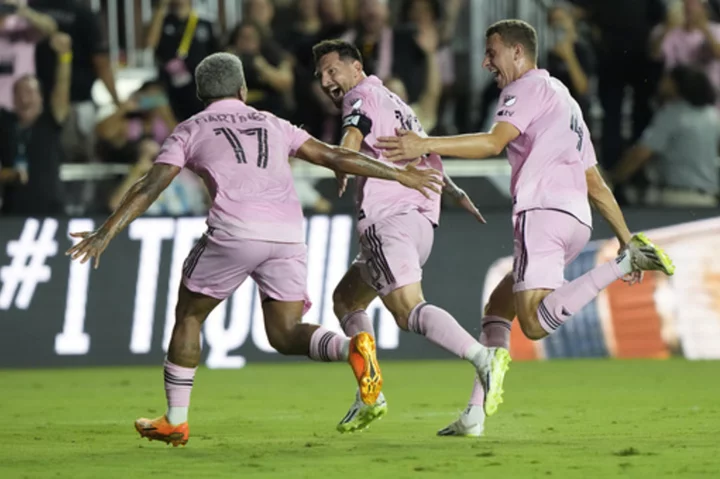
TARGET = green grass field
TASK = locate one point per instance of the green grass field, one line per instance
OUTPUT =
(581, 419)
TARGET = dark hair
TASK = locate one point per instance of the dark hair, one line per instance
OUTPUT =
(693, 85)
(514, 32)
(235, 33)
(344, 50)
(406, 6)
(154, 83)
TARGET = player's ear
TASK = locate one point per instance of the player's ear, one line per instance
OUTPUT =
(518, 51)
(242, 94)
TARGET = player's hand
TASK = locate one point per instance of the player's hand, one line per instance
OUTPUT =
(407, 145)
(421, 180)
(342, 182)
(464, 201)
(632, 278)
(92, 246)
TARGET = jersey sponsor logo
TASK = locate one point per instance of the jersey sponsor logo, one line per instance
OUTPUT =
(505, 113)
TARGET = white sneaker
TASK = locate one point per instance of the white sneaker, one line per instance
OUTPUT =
(360, 415)
(491, 368)
(471, 423)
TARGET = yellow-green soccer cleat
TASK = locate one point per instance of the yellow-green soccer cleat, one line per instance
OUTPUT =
(492, 375)
(361, 415)
(645, 256)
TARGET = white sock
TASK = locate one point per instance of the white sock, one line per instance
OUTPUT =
(476, 354)
(624, 262)
(177, 415)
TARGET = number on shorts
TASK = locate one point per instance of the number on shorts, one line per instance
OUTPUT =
(234, 141)
(576, 126)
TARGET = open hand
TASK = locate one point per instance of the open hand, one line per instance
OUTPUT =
(421, 180)
(92, 246)
(407, 145)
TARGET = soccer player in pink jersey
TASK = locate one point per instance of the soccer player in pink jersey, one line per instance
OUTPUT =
(255, 228)
(554, 181)
(396, 228)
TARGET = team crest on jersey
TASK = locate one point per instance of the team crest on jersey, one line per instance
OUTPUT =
(357, 104)
(509, 100)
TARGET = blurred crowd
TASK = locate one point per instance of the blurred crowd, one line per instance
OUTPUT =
(662, 58)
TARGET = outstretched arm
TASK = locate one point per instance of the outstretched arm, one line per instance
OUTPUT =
(408, 145)
(342, 160)
(604, 201)
(136, 201)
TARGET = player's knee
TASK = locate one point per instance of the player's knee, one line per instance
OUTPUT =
(342, 305)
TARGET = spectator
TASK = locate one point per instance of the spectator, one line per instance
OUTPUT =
(145, 117)
(180, 40)
(388, 52)
(426, 108)
(90, 62)
(268, 71)
(570, 60)
(304, 31)
(261, 13)
(20, 29)
(683, 138)
(185, 196)
(694, 42)
(427, 17)
(623, 28)
(30, 152)
(309, 196)
(429, 20)
(334, 18)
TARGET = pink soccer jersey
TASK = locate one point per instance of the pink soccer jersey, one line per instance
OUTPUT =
(242, 156)
(376, 112)
(550, 156)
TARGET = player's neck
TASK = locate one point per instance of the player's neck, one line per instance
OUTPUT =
(215, 100)
(524, 69)
(362, 78)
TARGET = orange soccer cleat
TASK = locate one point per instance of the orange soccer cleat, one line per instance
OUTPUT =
(363, 360)
(160, 429)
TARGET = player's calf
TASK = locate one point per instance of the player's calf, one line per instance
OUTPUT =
(351, 298)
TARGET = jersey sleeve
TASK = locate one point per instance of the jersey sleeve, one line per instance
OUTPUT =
(174, 150)
(589, 158)
(357, 112)
(294, 136)
(518, 105)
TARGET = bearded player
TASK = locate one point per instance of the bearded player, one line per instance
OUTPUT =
(396, 229)
(554, 181)
(255, 228)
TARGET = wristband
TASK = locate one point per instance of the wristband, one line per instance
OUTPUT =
(66, 58)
